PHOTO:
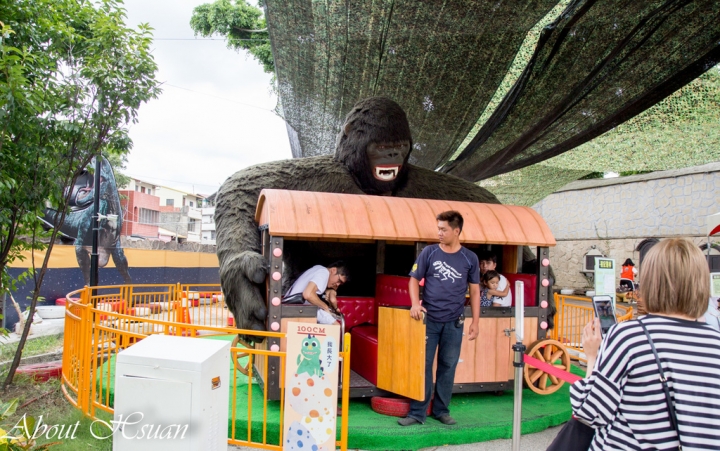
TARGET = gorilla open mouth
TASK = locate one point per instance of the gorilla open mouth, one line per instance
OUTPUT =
(386, 172)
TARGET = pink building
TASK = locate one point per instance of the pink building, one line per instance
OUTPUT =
(142, 213)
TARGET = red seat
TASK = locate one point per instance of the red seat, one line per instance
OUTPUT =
(530, 287)
(357, 310)
(390, 291)
(364, 351)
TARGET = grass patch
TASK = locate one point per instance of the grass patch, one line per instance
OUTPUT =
(33, 346)
(47, 399)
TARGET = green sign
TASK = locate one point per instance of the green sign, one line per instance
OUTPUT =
(715, 284)
(605, 277)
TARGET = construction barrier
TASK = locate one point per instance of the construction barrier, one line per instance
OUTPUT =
(573, 313)
(103, 321)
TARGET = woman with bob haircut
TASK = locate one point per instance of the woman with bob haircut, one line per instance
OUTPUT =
(622, 397)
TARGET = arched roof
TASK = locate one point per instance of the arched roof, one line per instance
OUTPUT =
(332, 216)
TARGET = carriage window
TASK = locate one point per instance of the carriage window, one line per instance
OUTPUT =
(360, 258)
(399, 259)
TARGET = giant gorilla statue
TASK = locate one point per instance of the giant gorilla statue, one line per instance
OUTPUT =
(371, 157)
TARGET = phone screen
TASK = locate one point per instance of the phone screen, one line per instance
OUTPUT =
(604, 311)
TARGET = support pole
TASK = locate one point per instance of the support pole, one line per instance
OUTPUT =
(518, 363)
(95, 224)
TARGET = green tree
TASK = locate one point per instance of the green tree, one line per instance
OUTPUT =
(242, 24)
(118, 162)
(72, 77)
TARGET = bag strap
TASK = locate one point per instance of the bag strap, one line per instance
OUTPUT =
(663, 381)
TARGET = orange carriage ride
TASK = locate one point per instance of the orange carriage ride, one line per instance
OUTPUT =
(380, 238)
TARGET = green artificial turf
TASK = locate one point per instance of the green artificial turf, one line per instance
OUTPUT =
(480, 417)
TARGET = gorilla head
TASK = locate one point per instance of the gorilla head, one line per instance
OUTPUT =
(374, 144)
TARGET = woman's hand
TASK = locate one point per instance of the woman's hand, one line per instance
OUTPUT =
(591, 339)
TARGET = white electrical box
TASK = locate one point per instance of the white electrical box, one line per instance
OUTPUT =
(171, 393)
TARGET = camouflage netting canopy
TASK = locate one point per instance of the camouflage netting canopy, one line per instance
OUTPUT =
(496, 87)
(682, 130)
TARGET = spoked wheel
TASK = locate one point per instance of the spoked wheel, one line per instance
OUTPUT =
(236, 356)
(548, 351)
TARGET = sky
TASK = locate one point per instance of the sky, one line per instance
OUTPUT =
(215, 113)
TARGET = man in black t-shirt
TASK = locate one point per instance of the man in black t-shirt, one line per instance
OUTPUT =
(447, 268)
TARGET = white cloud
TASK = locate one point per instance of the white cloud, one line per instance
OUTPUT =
(201, 130)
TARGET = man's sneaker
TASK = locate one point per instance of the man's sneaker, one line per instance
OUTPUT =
(407, 421)
(446, 419)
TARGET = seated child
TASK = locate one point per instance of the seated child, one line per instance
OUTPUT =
(488, 262)
(489, 294)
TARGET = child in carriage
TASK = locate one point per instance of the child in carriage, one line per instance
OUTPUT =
(489, 294)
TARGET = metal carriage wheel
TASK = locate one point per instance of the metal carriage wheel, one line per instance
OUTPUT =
(236, 356)
(551, 352)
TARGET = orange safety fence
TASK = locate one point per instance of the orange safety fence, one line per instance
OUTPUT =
(101, 322)
(573, 313)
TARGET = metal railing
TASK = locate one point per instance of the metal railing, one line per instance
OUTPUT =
(101, 322)
(573, 313)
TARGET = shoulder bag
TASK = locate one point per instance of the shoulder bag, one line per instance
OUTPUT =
(663, 381)
(574, 436)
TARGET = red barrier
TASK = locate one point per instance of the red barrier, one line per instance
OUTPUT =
(552, 370)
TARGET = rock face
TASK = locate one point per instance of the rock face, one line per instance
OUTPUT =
(614, 215)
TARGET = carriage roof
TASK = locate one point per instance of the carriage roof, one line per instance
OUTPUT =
(352, 217)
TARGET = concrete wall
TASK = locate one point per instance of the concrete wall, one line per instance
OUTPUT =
(614, 215)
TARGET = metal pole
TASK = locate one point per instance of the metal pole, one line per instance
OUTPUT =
(518, 363)
(95, 224)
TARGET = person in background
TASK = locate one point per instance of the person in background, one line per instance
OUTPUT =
(622, 396)
(489, 294)
(488, 263)
(712, 316)
(628, 270)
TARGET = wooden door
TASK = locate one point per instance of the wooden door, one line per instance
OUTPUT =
(486, 358)
(401, 353)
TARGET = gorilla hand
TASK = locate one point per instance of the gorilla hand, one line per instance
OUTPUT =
(239, 276)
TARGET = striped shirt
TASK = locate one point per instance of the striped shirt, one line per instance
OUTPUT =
(623, 398)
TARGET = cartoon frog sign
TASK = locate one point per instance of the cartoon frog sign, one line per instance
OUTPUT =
(309, 358)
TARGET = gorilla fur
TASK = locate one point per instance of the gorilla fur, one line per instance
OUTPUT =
(372, 120)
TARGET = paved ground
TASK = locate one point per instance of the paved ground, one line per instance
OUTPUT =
(531, 442)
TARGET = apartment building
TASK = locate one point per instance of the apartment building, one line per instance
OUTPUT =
(171, 197)
(141, 212)
(208, 225)
(141, 187)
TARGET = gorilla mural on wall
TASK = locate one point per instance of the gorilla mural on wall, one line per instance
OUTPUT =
(371, 157)
(77, 227)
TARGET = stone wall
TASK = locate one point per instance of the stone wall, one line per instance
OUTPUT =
(567, 258)
(129, 242)
(615, 215)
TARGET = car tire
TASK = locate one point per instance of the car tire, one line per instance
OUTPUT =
(394, 407)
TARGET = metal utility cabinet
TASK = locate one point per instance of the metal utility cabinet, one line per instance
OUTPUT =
(171, 393)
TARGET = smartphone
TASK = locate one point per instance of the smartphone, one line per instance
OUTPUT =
(604, 310)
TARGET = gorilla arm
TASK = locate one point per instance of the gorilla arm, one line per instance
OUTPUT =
(426, 184)
(242, 267)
